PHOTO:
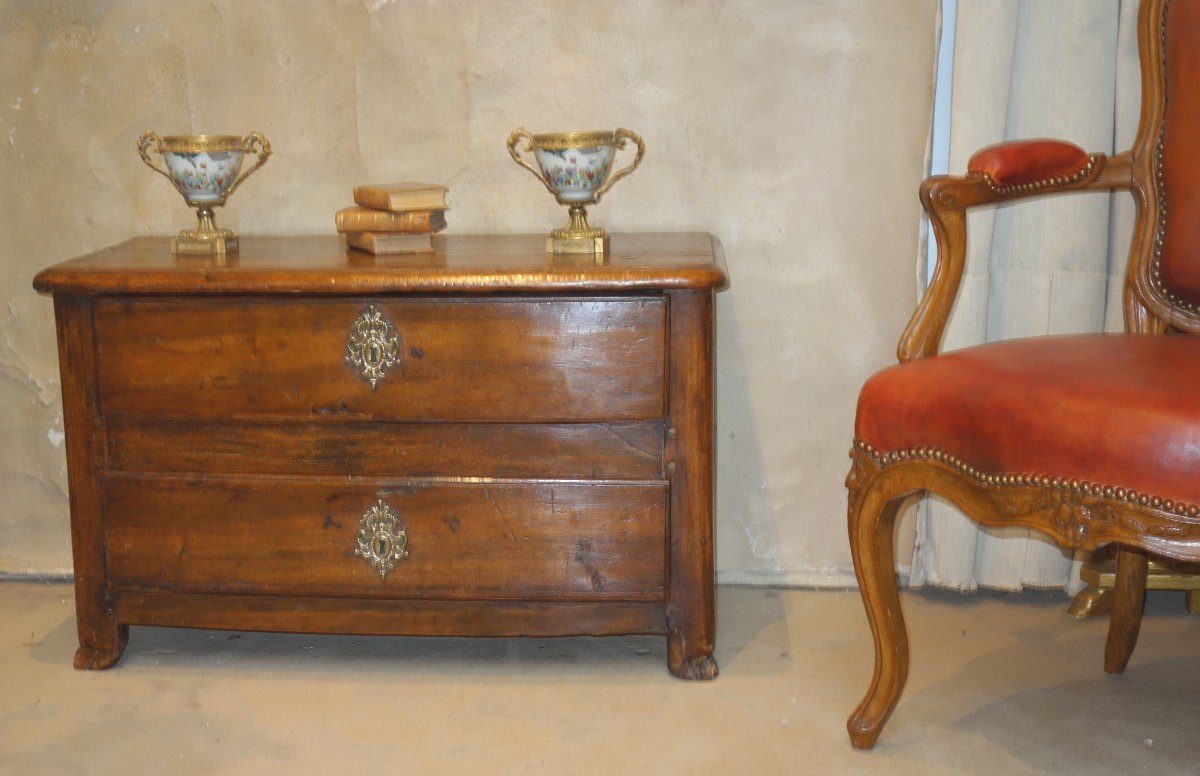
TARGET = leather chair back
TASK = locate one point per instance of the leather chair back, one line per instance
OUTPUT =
(1177, 270)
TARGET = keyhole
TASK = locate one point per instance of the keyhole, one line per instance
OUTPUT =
(383, 546)
(374, 354)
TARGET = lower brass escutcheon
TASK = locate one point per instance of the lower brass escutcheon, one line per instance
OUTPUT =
(382, 541)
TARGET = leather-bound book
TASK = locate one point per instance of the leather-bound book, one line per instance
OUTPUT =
(399, 197)
(365, 219)
(393, 242)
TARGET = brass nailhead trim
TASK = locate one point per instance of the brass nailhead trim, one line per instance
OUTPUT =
(1045, 183)
(1060, 483)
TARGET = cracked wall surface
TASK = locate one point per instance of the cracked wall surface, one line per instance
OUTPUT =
(794, 131)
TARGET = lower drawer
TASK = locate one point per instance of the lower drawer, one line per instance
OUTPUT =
(465, 539)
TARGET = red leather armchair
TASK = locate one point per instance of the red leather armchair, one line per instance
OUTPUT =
(1091, 439)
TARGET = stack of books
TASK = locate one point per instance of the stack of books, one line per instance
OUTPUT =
(394, 217)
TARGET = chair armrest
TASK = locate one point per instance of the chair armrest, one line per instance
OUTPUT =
(999, 173)
(1030, 162)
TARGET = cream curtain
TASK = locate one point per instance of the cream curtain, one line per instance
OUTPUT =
(1064, 69)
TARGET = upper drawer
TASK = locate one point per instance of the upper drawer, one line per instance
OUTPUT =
(564, 359)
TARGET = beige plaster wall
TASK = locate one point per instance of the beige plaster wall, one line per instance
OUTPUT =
(794, 131)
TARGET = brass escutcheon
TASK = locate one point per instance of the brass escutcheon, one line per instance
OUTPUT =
(382, 541)
(370, 345)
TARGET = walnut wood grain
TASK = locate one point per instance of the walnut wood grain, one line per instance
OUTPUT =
(221, 449)
(295, 614)
(501, 540)
(101, 637)
(460, 359)
(460, 264)
(691, 613)
(598, 451)
(872, 522)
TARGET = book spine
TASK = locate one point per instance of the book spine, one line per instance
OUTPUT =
(414, 222)
(379, 242)
(381, 199)
(371, 197)
(364, 241)
(415, 201)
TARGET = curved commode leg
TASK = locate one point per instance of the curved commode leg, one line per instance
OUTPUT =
(101, 638)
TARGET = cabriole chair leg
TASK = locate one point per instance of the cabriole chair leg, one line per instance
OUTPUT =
(872, 542)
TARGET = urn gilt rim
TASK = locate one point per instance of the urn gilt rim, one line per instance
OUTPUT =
(194, 144)
(558, 141)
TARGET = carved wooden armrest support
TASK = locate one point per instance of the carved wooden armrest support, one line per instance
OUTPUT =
(999, 173)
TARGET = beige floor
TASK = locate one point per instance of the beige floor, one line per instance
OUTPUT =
(999, 684)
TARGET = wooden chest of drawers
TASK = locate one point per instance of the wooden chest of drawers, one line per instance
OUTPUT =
(484, 440)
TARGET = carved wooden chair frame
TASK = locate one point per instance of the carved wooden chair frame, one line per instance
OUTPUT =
(1076, 514)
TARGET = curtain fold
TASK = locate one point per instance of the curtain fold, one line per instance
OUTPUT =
(1066, 69)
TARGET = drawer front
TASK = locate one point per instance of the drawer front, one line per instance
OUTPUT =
(470, 540)
(562, 359)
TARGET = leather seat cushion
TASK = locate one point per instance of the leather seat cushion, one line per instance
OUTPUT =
(1120, 410)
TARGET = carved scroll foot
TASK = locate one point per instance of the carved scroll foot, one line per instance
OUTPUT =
(689, 655)
(90, 658)
(702, 667)
(97, 658)
(1129, 599)
(872, 520)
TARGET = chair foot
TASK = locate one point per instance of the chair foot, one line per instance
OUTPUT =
(863, 732)
(1129, 600)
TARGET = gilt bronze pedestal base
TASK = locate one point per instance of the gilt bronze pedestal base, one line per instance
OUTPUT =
(1097, 598)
